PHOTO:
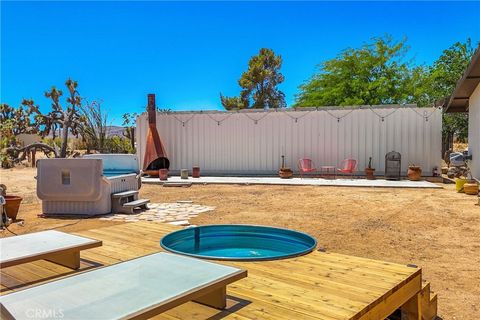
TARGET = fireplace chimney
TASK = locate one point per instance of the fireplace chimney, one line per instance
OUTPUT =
(151, 110)
(155, 154)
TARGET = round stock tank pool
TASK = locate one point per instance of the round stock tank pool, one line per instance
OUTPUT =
(238, 242)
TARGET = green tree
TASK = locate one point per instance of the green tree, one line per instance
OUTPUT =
(94, 127)
(375, 73)
(440, 83)
(13, 122)
(449, 67)
(118, 145)
(259, 84)
(129, 122)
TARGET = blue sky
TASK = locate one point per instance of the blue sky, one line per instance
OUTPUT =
(189, 52)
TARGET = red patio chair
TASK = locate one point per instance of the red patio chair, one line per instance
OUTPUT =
(348, 167)
(306, 166)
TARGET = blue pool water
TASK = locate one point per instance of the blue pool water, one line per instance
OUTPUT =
(116, 173)
(238, 242)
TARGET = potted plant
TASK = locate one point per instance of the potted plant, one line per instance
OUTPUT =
(196, 172)
(163, 174)
(284, 172)
(12, 203)
(414, 173)
(369, 171)
(471, 185)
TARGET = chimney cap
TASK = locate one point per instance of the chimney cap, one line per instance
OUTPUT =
(151, 100)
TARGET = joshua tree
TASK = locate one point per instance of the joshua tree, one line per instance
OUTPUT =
(69, 119)
(14, 122)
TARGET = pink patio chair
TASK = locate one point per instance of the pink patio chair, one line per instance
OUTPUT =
(348, 167)
(306, 166)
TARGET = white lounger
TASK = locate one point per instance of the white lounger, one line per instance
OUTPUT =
(136, 289)
(55, 246)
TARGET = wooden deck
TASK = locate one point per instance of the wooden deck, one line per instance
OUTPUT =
(315, 286)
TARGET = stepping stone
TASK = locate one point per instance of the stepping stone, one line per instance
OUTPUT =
(177, 213)
(179, 223)
(204, 210)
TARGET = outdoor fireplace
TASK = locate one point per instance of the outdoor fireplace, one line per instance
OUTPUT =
(393, 162)
(155, 154)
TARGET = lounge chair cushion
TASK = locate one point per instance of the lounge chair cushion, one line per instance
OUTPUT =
(123, 290)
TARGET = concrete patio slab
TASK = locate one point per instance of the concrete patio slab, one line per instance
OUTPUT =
(379, 183)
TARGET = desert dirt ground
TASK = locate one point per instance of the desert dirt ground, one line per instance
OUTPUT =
(436, 229)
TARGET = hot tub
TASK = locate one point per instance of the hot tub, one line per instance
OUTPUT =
(238, 242)
(121, 171)
(84, 185)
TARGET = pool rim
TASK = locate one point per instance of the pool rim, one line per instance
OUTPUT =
(223, 258)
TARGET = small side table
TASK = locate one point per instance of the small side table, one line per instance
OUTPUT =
(328, 171)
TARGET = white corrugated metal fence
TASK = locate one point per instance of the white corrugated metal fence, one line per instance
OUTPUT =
(252, 141)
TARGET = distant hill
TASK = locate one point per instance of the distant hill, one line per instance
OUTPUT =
(112, 131)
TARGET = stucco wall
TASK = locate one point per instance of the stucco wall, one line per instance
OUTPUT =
(474, 131)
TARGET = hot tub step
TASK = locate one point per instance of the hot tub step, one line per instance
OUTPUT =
(129, 207)
(125, 194)
(119, 199)
(136, 203)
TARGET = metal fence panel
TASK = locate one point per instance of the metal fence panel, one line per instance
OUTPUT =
(252, 141)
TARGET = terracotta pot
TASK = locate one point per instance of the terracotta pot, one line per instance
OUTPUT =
(414, 173)
(196, 172)
(163, 174)
(471, 188)
(12, 205)
(370, 173)
(285, 173)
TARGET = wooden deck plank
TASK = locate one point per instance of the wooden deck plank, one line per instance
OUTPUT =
(326, 287)
(316, 286)
(266, 306)
(365, 265)
(392, 302)
(310, 302)
(340, 273)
